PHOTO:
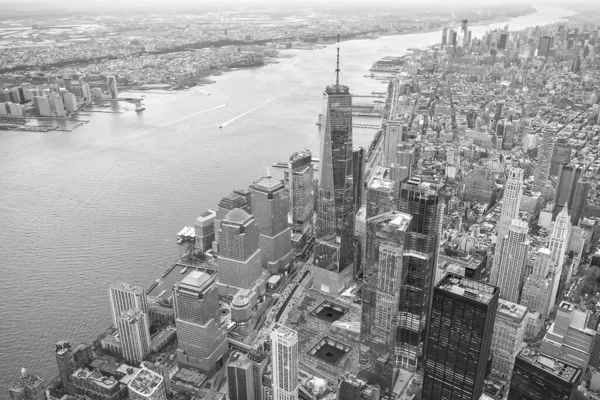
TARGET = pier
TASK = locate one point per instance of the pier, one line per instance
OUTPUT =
(367, 126)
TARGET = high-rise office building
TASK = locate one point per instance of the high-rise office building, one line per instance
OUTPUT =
(124, 297)
(384, 285)
(459, 338)
(284, 353)
(544, 158)
(29, 387)
(540, 377)
(537, 289)
(444, 37)
(240, 377)
(464, 28)
(568, 176)
(569, 338)
(205, 230)
(380, 192)
(202, 340)
(334, 250)
(301, 187)
(395, 135)
(42, 106)
(559, 241)
(560, 155)
(240, 258)
(57, 105)
(270, 206)
(509, 332)
(580, 200)
(111, 83)
(228, 203)
(511, 201)
(423, 204)
(513, 259)
(544, 46)
(358, 165)
(147, 385)
(134, 332)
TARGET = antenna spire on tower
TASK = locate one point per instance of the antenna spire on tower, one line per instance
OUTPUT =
(337, 70)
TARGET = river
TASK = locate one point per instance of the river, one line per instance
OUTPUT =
(103, 203)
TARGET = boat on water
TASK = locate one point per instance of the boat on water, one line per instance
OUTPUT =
(221, 127)
(179, 240)
(184, 270)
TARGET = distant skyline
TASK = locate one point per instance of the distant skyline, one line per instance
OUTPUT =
(244, 5)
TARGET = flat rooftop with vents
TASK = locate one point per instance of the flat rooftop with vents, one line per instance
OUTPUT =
(560, 369)
(475, 290)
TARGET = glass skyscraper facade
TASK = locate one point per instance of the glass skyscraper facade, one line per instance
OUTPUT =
(459, 338)
(421, 201)
(334, 251)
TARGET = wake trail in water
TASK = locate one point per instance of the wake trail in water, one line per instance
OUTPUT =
(192, 115)
(203, 92)
(224, 124)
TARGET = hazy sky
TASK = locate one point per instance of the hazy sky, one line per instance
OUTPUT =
(377, 6)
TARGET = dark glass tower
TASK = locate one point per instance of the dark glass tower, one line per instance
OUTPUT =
(334, 251)
(383, 276)
(459, 338)
(421, 249)
(540, 377)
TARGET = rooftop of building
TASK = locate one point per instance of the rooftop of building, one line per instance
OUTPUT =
(206, 215)
(126, 286)
(96, 377)
(284, 331)
(560, 369)
(267, 184)
(237, 215)
(131, 315)
(377, 183)
(511, 310)
(164, 286)
(146, 382)
(469, 288)
(197, 279)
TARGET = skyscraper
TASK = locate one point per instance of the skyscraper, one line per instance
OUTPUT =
(111, 83)
(544, 46)
(444, 37)
(240, 258)
(228, 203)
(300, 182)
(124, 297)
(544, 158)
(29, 387)
(270, 205)
(540, 377)
(240, 377)
(513, 190)
(509, 332)
(284, 353)
(205, 230)
(568, 176)
(358, 164)
(511, 269)
(380, 192)
(384, 276)
(559, 241)
(134, 332)
(201, 337)
(580, 200)
(334, 251)
(459, 338)
(421, 252)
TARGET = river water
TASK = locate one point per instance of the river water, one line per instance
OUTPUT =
(103, 203)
